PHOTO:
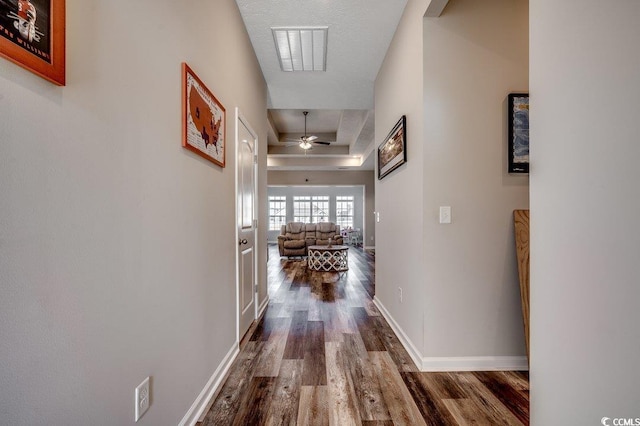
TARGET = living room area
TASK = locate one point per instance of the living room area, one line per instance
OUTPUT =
(343, 198)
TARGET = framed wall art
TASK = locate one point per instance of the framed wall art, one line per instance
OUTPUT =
(203, 119)
(518, 109)
(32, 35)
(392, 153)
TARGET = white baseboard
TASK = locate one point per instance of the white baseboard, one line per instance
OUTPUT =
(263, 306)
(475, 363)
(370, 247)
(414, 353)
(200, 404)
(434, 364)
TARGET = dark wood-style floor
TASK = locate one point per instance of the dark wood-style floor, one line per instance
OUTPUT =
(323, 355)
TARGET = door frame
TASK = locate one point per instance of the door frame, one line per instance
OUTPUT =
(241, 119)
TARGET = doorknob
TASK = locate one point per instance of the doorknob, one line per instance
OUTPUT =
(242, 241)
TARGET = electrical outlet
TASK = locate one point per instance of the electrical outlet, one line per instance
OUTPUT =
(143, 398)
(445, 214)
(400, 294)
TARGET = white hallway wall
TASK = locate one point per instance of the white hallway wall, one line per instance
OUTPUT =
(585, 205)
(475, 54)
(117, 245)
(451, 77)
(399, 196)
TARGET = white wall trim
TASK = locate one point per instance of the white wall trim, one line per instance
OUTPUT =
(263, 307)
(414, 353)
(369, 247)
(201, 402)
(463, 363)
(241, 119)
(475, 363)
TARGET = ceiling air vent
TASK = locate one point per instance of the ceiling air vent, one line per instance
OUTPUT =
(301, 48)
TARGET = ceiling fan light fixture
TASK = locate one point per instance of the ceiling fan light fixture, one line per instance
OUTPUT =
(301, 48)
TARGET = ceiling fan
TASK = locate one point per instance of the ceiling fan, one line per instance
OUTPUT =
(306, 142)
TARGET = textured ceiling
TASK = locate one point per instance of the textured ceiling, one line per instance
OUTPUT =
(359, 35)
(340, 99)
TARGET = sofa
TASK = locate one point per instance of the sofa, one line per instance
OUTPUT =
(296, 237)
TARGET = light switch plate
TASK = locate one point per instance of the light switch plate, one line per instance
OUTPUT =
(445, 214)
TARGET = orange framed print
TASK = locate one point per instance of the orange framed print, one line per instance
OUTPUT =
(32, 34)
(203, 119)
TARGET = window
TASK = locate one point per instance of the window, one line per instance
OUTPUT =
(319, 209)
(344, 211)
(302, 209)
(311, 209)
(277, 212)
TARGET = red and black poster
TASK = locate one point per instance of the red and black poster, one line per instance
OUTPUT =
(27, 24)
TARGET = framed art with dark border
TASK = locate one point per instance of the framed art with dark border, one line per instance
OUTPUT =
(518, 108)
(392, 153)
(32, 35)
(203, 119)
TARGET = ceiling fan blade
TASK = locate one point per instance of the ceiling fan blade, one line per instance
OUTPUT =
(311, 138)
(322, 143)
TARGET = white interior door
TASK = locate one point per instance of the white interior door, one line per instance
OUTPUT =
(246, 143)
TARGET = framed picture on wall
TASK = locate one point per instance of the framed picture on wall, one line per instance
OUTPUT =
(32, 35)
(518, 109)
(392, 152)
(203, 119)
